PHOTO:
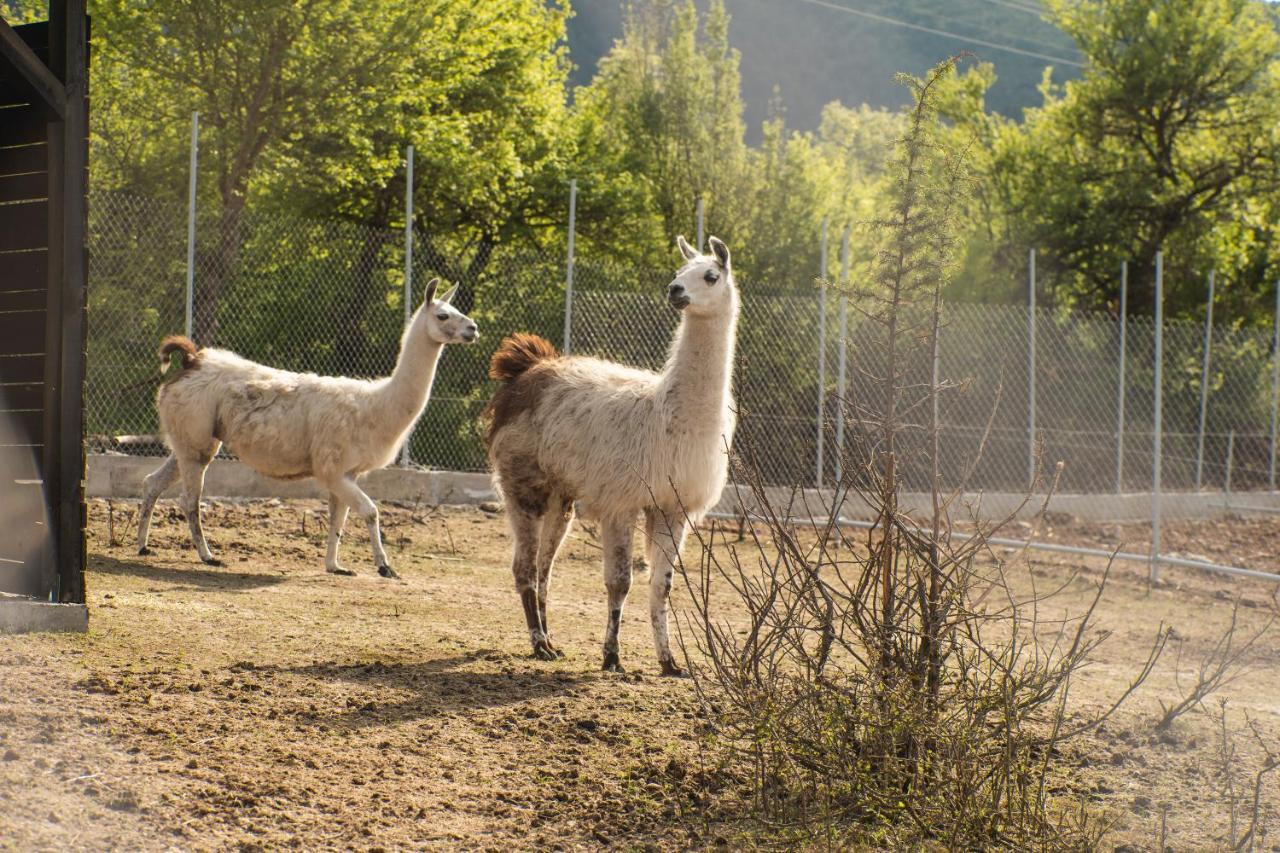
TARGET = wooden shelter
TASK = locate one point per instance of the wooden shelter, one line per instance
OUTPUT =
(43, 260)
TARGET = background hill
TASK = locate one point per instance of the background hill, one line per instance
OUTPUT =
(817, 51)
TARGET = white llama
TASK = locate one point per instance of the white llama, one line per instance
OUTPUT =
(621, 441)
(293, 425)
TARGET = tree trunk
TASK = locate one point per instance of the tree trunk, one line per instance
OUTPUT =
(215, 273)
(351, 353)
(465, 299)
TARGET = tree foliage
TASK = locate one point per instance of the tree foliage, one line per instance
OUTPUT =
(1167, 140)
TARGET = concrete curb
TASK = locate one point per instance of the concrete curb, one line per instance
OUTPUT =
(120, 477)
(20, 615)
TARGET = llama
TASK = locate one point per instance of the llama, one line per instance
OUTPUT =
(294, 425)
(622, 443)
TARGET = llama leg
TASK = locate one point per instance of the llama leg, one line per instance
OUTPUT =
(153, 486)
(192, 488)
(337, 520)
(525, 530)
(666, 534)
(344, 488)
(555, 524)
(616, 539)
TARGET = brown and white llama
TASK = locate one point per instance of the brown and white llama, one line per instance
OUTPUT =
(294, 425)
(623, 443)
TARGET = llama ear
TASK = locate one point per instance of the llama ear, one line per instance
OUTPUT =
(431, 291)
(685, 248)
(448, 297)
(720, 250)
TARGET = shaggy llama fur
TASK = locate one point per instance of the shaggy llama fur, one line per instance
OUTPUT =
(620, 441)
(293, 425)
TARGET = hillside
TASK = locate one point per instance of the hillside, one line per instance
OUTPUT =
(817, 51)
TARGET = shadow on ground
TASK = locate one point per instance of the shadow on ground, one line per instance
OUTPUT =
(439, 686)
(210, 577)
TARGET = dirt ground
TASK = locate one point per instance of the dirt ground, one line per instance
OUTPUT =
(267, 704)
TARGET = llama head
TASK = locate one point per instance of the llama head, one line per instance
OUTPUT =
(446, 324)
(704, 285)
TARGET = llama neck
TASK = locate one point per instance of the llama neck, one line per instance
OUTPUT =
(697, 377)
(404, 394)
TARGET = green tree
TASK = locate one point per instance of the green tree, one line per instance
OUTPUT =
(668, 107)
(480, 94)
(1165, 139)
(15, 12)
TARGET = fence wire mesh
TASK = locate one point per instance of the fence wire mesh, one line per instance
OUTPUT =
(328, 298)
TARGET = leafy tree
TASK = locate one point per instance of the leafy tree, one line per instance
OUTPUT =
(258, 73)
(480, 94)
(668, 106)
(15, 12)
(1162, 143)
(307, 106)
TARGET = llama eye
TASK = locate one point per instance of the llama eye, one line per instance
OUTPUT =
(442, 316)
(711, 277)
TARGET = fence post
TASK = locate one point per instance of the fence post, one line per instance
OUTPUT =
(1204, 382)
(1120, 386)
(1231, 453)
(822, 348)
(568, 274)
(840, 371)
(1275, 387)
(1157, 419)
(191, 220)
(698, 216)
(408, 268)
(1031, 369)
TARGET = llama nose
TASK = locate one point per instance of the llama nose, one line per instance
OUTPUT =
(675, 291)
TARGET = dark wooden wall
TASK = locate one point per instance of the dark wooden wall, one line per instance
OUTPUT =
(43, 182)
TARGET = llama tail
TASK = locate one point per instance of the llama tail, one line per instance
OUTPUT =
(177, 353)
(518, 353)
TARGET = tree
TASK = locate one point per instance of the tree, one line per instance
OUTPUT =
(1166, 136)
(480, 94)
(668, 106)
(259, 72)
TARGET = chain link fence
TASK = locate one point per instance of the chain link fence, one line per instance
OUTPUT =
(328, 297)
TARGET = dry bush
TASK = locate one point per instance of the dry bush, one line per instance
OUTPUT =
(1226, 661)
(889, 687)
(1241, 788)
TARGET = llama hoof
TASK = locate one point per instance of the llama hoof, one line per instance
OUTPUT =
(387, 572)
(542, 651)
(611, 663)
(670, 670)
(212, 561)
(144, 551)
(339, 570)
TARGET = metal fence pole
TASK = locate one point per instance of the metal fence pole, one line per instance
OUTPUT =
(1204, 382)
(1157, 419)
(408, 267)
(1231, 453)
(841, 378)
(568, 274)
(1275, 387)
(1031, 368)
(1120, 385)
(698, 216)
(822, 349)
(191, 220)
